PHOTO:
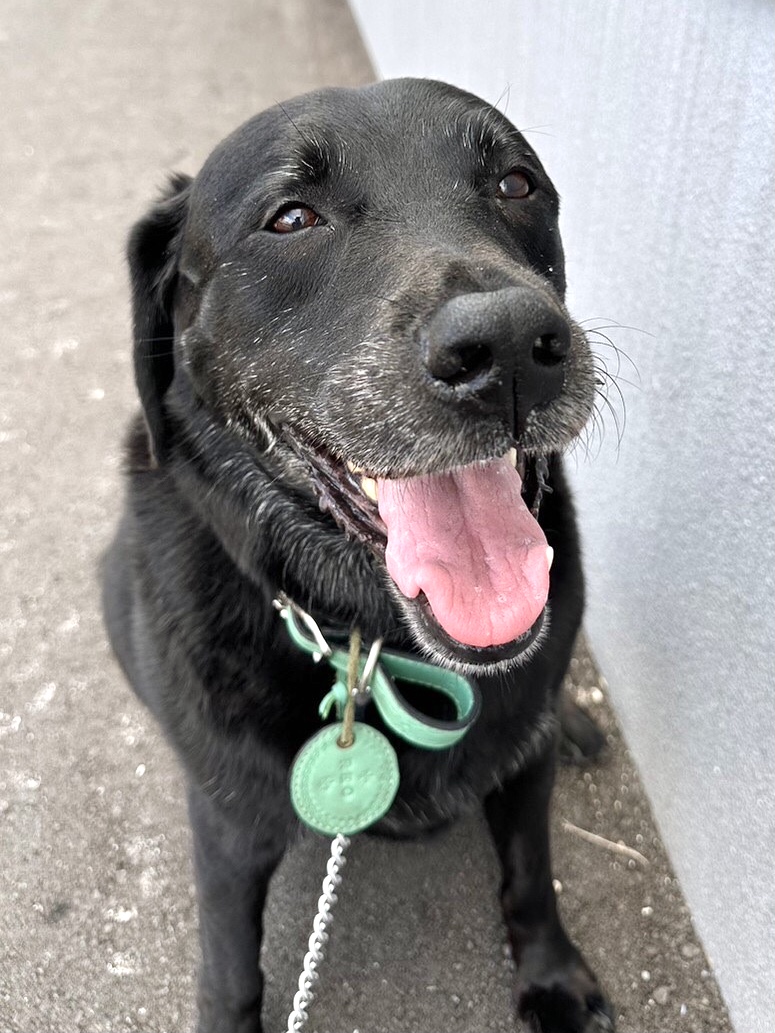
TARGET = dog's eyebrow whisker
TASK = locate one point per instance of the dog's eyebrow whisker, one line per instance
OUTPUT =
(308, 140)
(539, 130)
(505, 93)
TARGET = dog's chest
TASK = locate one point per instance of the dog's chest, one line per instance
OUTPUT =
(438, 786)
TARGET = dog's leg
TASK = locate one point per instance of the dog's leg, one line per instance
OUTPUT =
(556, 991)
(233, 864)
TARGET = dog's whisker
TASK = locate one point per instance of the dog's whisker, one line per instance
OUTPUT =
(601, 361)
(616, 379)
(583, 443)
(613, 381)
(156, 355)
(609, 324)
(600, 340)
(607, 381)
(614, 415)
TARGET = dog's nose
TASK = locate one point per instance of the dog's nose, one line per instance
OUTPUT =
(500, 348)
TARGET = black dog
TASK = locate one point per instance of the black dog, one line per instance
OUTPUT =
(357, 375)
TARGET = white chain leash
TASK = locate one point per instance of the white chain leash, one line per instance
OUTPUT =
(317, 941)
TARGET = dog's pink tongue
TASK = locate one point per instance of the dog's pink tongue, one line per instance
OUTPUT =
(467, 540)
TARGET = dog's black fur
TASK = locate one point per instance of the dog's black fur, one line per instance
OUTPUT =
(264, 359)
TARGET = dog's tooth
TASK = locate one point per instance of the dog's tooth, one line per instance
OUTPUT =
(353, 468)
(369, 488)
(549, 556)
(512, 454)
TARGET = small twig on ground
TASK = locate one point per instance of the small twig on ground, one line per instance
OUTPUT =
(607, 844)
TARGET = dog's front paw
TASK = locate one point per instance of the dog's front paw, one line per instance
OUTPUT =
(566, 1000)
(581, 741)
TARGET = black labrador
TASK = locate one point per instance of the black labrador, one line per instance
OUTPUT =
(357, 376)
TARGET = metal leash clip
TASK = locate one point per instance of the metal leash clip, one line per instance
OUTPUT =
(305, 633)
(296, 621)
(377, 681)
(362, 691)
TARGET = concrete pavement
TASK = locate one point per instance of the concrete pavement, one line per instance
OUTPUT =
(97, 912)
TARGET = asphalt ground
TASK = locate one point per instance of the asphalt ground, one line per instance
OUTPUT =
(97, 908)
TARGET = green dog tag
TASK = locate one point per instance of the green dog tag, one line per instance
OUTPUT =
(344, 789)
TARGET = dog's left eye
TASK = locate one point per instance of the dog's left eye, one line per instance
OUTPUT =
(515, 185)
(293, 218)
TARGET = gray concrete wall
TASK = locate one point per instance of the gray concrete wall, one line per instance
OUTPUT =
(655, 121)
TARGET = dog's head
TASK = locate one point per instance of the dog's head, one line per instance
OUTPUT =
(363, 290)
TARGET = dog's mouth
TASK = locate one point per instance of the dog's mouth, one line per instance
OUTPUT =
(468, 559)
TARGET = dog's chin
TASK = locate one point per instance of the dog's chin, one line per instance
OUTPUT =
(440, 648)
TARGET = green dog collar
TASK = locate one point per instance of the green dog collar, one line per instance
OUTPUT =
(402, 718)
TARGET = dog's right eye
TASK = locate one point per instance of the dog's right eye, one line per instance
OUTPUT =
(292, 218)
(515, 186)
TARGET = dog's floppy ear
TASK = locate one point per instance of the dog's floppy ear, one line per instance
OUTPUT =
(153, 252)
